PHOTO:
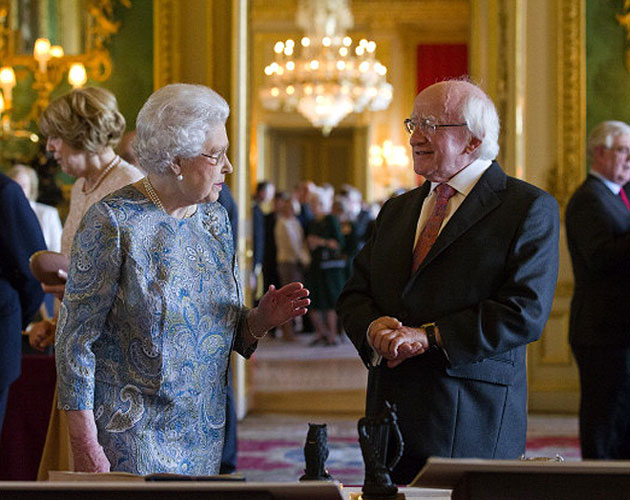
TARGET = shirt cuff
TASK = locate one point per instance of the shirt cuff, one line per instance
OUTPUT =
(376, 358)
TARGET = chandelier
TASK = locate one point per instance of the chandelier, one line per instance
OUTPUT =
(326, 76)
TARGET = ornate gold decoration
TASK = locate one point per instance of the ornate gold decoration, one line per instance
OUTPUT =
(96, 58)
(166, 42)
(570, 170)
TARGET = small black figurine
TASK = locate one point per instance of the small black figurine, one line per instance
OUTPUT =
(374, 438)
(376, 430)
(316, 453)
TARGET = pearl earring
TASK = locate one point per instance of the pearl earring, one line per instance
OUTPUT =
(180, 178)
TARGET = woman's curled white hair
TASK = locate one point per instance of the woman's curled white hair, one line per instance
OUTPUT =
(176, 122)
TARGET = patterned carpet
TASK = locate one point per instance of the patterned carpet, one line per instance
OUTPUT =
(271, 446)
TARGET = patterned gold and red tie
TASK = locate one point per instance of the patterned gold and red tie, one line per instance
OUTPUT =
(431, 229)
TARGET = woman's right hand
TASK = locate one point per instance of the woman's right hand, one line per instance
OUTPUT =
(90, 458)
(88, 454)
(57, 290)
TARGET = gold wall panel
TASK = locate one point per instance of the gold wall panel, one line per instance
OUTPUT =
(166, 42)
(570, 170)
(554, 343)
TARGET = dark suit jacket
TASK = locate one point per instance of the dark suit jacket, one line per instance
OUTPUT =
(488, 282)
(269, 263)
(258, 234)
(598, 234)
(20, 293)
(227, 201)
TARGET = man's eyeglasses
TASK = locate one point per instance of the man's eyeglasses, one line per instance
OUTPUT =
(428, 125)
(622, 150)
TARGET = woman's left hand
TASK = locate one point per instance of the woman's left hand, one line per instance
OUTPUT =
(278, 306)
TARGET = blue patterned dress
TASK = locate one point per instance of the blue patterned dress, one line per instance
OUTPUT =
(151, 312)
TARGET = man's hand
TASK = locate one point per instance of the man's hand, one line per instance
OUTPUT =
(384, 336)
(410, 342)
(396, 342)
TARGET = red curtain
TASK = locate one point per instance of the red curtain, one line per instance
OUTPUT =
(440, 62)
(437, 62)
(26, 420)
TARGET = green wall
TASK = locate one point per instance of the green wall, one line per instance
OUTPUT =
(131, 50)
(132, 57)
(607, 79)
(131, 80)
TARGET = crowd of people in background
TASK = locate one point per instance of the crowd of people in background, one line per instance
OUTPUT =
(310, 234)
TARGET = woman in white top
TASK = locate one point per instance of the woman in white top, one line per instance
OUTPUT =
(292, 255)
(47, 216)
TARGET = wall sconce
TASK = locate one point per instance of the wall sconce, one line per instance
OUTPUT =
(390, 169)
(48, 66)
(87, 26)
(7, 82)
(77, 76)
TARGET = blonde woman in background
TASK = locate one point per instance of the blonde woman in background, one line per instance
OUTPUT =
(47, 216)
(82, 128)
(292, 255)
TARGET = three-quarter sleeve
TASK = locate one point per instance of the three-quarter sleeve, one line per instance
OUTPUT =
(90, 291)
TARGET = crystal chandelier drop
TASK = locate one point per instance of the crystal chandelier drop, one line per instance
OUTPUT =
(324, 76)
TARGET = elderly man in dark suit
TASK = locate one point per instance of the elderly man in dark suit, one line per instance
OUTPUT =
(457, 278)
(20, 293)
(598, 233)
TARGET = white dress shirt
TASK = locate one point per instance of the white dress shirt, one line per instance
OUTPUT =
(463, 182)
(613, 186)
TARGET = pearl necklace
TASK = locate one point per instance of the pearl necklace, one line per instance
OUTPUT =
(156, 199)
(108, 168)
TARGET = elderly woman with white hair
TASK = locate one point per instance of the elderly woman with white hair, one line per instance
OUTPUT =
(153, 305)
(326, 275)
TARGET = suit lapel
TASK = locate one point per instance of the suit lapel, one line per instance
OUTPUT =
(483, 198)
(616, 206)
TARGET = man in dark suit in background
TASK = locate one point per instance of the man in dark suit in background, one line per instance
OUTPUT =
(598, 234)
(20, 293)
(230, 444)
(456, 279)
(264, 193)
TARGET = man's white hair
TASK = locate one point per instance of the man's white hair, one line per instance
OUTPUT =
(482, 119)
(604, 133)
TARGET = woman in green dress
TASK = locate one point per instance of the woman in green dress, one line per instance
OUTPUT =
(327, 274)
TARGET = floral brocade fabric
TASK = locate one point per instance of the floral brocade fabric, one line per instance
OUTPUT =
(149, 318)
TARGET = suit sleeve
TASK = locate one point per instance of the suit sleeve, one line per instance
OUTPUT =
(517, 312)
(590, 227)
(21, 238)
(356, 307)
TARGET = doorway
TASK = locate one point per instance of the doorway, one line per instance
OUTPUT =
(296, 154)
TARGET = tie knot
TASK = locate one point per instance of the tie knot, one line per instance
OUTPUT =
(444, 191)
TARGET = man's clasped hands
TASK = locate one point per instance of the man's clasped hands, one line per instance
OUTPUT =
(395, 341)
